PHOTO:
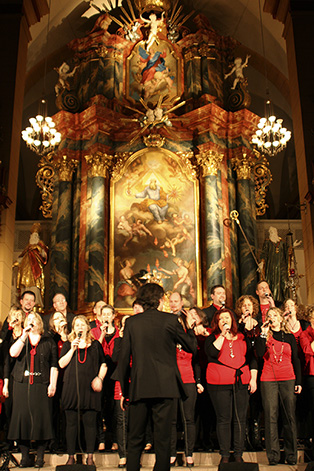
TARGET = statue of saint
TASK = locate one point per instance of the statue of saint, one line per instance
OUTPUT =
(274, 264)
(34, 257)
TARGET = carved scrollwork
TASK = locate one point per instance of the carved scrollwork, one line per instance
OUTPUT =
(263, 178)
(189, 168)
(44, 180)
(65, 168)
(154, 140)
(118, 165)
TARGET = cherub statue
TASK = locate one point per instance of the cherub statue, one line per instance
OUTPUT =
(237, 69)
(155, 26)
(64, 74)
(132, 33)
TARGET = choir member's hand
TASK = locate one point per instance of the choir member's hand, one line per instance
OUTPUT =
(249, 322)
(123, 403)
(75, 343)
(5, 391)
(97, 384)
(252, 385)
(199, 388)
(51, 390)
(297, 389)
(201, 330)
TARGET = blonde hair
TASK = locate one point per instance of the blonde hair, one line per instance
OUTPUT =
(38, 319)
(14, 311)
(82, 318)
(283, 323)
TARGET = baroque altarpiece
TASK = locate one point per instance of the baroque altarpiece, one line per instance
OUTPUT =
(155, 155)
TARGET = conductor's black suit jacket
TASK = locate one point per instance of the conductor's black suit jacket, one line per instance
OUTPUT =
(150, 340)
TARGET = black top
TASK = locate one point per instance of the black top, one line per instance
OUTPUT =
(45, 358)
(82, 369)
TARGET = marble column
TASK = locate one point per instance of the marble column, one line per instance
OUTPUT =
(247, 265)
(61, 268)
(209, 162)
(75, 238)
(95, 232)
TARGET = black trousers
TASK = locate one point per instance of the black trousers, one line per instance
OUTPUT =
(90, 428)
(161, 413)
(187, 410)
(231, 405)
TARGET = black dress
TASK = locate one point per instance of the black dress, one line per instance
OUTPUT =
(82, 369)
(32, 408)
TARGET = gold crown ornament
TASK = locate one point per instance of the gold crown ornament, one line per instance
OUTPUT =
(152, 5)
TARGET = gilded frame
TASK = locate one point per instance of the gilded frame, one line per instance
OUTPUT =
(167, 250)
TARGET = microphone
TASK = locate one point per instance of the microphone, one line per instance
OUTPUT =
(228, 329)
(223, 303)
(79, 335)
(247, 314)
(31, 325)
(268, 295)
(268, 323)
(287, 314)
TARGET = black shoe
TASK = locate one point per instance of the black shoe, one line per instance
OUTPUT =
(39, 463)
(26, 463)
(224, 460)
(292, 461)
(272, 462)
(238, 459)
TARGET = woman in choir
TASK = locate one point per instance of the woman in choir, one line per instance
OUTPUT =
(120, 415)
(280, 382)
(307, 345)
(84, 371)
(58, 330)
(231, 376)
(106, 332)
(191, 377)
(247, 308)
(291, 315)
(34, 384)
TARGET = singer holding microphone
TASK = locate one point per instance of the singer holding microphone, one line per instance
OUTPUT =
(84, 371)
(231, 375)
(35, 375)
(280, 381)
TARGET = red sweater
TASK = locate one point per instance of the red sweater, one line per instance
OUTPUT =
(306, 338)
(184, 361)
(221, 368)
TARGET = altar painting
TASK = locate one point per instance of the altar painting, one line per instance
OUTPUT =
(154, 228)
(153, 74)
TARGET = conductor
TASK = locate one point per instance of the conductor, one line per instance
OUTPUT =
(152, 383)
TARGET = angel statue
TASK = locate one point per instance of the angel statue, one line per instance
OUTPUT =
(64, 75)
(237, 69)
(155, 26)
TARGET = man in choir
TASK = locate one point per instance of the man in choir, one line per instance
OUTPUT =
(60, 304)
(265, 298)
(218, 295)
(176, 303)
(97, 312)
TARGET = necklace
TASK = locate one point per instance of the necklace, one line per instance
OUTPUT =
(85, 355)
(232, 355)
(32, 354)
(278, 359)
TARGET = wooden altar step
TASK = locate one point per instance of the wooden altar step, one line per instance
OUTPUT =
(203, 461)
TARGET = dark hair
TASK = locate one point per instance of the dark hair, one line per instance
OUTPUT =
(137, 301)
(107, 306)
(261, 281)
(28, 292)
(150, 295)
(201, 314)
(214, 324)
(240, 301)
(212, 291)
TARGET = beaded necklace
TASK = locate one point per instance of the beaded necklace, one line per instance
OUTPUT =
(278, 355)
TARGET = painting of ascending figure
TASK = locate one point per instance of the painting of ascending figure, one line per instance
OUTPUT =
(154, 227)
(153, 74)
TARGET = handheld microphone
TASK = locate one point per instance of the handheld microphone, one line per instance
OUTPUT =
(223, 303)
(31, 325)
(287, 314)
(268, 295)
(79, 335)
